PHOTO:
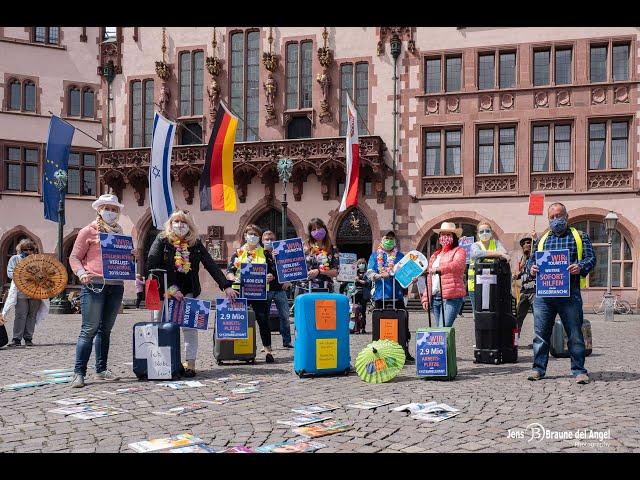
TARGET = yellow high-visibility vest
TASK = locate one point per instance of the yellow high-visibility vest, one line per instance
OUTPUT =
(471, 273)
(578, 238)
(259, 258)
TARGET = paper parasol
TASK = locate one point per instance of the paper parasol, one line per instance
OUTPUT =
(40, 276)
(380, 361)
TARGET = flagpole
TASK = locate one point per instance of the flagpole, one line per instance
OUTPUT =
(80, 130)
(359, 114)
(243, 120)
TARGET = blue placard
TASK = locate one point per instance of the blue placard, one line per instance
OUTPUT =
(431, 353)
(232, 319)
(553, 278)
(253, 281)
(189, 313)
(117, 262)
(290, 262)
(466, 243)
(405, 274)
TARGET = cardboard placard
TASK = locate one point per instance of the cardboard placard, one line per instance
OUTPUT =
(291, 265)
(325, 314)
(431, 353)
(348, 270)
(117, 261)
(389, 329)
(553, 280)
(326, 353)
(253, 281)
(536, 204)
(159, 363)
(232, 319)
(244, 346)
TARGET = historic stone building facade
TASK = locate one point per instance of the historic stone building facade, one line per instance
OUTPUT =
(485, 117)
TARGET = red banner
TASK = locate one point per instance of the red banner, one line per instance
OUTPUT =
(536, 204)
(152, 295)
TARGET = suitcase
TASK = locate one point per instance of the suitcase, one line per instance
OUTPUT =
(322, 334)
(390, 323)
(496, 338)
(499, 292)
(558, 346)
(274, 318)
(237, 350)
(425, 336)
(168, 336)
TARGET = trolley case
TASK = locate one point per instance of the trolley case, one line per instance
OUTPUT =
(322, 334)
(168, 336)
(429, 354)
(274, 318)
(390, 323)
(559, 348)
(238, 350)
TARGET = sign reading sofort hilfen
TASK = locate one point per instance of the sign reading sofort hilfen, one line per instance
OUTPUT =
(553, 278)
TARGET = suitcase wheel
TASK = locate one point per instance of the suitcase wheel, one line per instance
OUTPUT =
(496, 361)
(140, 377)
(251, 362)
(346, 371)
(301, 373)
(219, 362)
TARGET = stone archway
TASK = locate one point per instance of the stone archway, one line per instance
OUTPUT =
(354, 233)
(261, 208)
(7, 242)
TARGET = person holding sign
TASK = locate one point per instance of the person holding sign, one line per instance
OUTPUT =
(582, 260)
(445, 283)
(277, 291)
(528, 284)
(179, 251)
(486, 247)
(322, 258)
(252, 253)
(100, 302)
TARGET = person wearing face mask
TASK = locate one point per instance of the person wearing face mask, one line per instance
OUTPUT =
(252, 252)
(527, 282)
(321, 256)
(582, 260)
(100, 299)
(485, 247)
(380, 270)
(277, 291)
(445, 282)
(26, 309)
(363, 291)
(179, 251)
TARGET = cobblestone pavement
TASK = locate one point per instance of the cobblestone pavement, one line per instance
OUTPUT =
(492, 399)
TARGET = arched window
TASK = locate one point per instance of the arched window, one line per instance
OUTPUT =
(15, 95)
(87, 103)
(74, 102)
(468, 230)
(9, 250)
(299, 127)
(272, 220)
(621, 256)
(29, 96)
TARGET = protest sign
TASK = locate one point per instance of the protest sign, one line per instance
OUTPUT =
(412, 265)
(348, 271)
(290, 262)
(431, 358)
(159, 363)
(232, 319)
(536, 204)
(253, 281)
(117, 262)
(189, 313)
(553, 278)
(466, 243)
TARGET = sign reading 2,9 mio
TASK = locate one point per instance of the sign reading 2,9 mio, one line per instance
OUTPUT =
(232, 319)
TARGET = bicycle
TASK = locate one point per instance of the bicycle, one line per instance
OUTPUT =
(620, 307)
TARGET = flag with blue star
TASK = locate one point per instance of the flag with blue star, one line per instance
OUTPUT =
(56, 158)
(160, 194)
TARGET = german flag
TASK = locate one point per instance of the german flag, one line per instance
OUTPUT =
(217, 189)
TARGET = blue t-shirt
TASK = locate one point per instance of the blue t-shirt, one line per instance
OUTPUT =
(385, 284)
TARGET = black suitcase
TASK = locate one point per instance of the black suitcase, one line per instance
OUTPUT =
(168, 336)
(496, 328)
(274, 318)
(390, 323)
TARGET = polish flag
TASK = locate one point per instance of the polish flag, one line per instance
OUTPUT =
(350, 196)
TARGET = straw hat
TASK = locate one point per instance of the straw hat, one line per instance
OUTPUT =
(107, 199)
(449, 227)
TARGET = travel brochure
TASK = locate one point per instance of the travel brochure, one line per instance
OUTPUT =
(181, 384)
(436, 412)
(369, 404)
(160, 444)
(296, 445)
(238, 449)
(304, 420)
(87, 412)
(244, 390)
(328, 427)
(184, 409)
(314, 409)
(200, 448)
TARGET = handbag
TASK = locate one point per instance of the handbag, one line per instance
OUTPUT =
(4, 339)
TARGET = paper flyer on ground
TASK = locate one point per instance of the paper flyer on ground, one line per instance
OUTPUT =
(158, 444)
(244, 390)
(414, 407)
(181, 384)
(294, 445)
(200, 448)
(314, 409)
(304, 420)
(239, 449)
(328, 427)
(181, 410)
(436, 413)
(369, 404)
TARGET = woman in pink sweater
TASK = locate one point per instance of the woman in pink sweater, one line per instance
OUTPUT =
(445, 282)
(100, 299)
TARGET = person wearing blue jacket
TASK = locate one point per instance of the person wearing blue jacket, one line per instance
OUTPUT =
(380, 273)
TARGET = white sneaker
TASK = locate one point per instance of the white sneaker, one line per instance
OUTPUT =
(78, 381)
(107, 375)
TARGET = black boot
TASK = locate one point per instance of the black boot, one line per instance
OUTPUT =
(409, 360)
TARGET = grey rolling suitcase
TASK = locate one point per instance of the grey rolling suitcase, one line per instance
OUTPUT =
(237, 350)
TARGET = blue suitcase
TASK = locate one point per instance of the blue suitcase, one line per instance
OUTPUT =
(322, 334)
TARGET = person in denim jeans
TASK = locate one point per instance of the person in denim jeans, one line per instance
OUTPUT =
(545, 309)
(277, 292)
(100, 299)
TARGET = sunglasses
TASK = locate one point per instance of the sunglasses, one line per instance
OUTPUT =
(484, 231)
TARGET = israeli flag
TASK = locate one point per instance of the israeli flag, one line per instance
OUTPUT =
(160, 194)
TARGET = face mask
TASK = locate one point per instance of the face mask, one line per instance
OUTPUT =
(388, 244)
(23, 254)
(445, 240)
(180, 229)
(558, 225)
(319, 234)
(109, 216)
(362, 267)
(252, 239)
(485, 235)
(268, 244)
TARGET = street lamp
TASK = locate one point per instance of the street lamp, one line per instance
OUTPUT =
(60, 304)
(610, 222)
(285, 168)
(396, 48)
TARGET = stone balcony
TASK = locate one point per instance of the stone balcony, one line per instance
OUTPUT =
(324, 157)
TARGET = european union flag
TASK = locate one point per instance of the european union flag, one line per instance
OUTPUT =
(56, 158)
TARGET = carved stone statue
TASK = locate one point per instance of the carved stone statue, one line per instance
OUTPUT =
(213, 92)
(325, 82)
(165, 95)
(270, 88)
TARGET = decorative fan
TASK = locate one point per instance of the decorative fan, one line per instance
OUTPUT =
(40, 276)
